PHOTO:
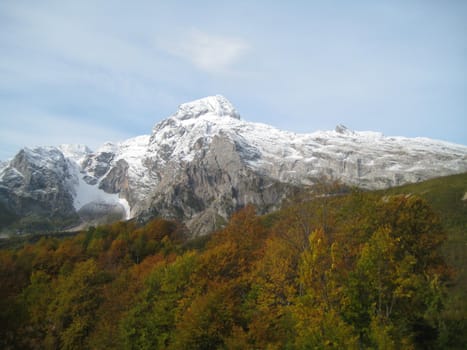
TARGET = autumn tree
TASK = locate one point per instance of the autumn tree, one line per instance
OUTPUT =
(273, 289)
(72, 312)
(318, 309)
(151, 321)
(402, 272)
(207, 322)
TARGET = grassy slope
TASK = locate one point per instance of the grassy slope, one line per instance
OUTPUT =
(446, 195)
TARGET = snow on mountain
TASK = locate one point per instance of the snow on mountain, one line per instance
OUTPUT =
(217, 105)
(205, 159)
(91, 167)
(85, 193)
(189, 140)
(366, 159)
(134, 151)
(73, 152)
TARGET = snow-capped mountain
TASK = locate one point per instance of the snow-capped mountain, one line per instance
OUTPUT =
(203, 162)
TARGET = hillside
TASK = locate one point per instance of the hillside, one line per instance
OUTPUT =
(447, 196)
(331, 268)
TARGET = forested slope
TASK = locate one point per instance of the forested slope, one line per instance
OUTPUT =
(335, 270)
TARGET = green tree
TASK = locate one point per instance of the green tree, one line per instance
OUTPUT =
(319, 306)
(35, 299)
(72, 312)
(402, 273)
(273, 289)
(149, 324)
(207, 321)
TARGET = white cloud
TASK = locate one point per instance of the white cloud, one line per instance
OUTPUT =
(211, 53)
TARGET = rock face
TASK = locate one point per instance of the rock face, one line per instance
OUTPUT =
(204, 162)
(207, 190)
(37, 181)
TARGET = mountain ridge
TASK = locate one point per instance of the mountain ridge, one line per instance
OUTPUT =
(203, 162)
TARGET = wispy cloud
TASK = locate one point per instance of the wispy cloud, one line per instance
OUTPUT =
(52, 45)
(208, 52)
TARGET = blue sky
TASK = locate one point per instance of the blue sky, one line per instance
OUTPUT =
(93, 71)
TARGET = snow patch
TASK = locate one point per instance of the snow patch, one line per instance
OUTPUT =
(217, 105)
(124, 203)
(85, 193)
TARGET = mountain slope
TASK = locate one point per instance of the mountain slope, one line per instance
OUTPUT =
(448, 197)
(204, 162)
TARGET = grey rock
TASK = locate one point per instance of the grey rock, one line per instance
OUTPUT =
(116, 180)
(36, 182)
(98, 213)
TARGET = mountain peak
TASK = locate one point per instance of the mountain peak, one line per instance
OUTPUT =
(217, 105)
(74, 151)
(342, 129)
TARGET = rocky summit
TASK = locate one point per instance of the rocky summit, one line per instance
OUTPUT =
(204, 162)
